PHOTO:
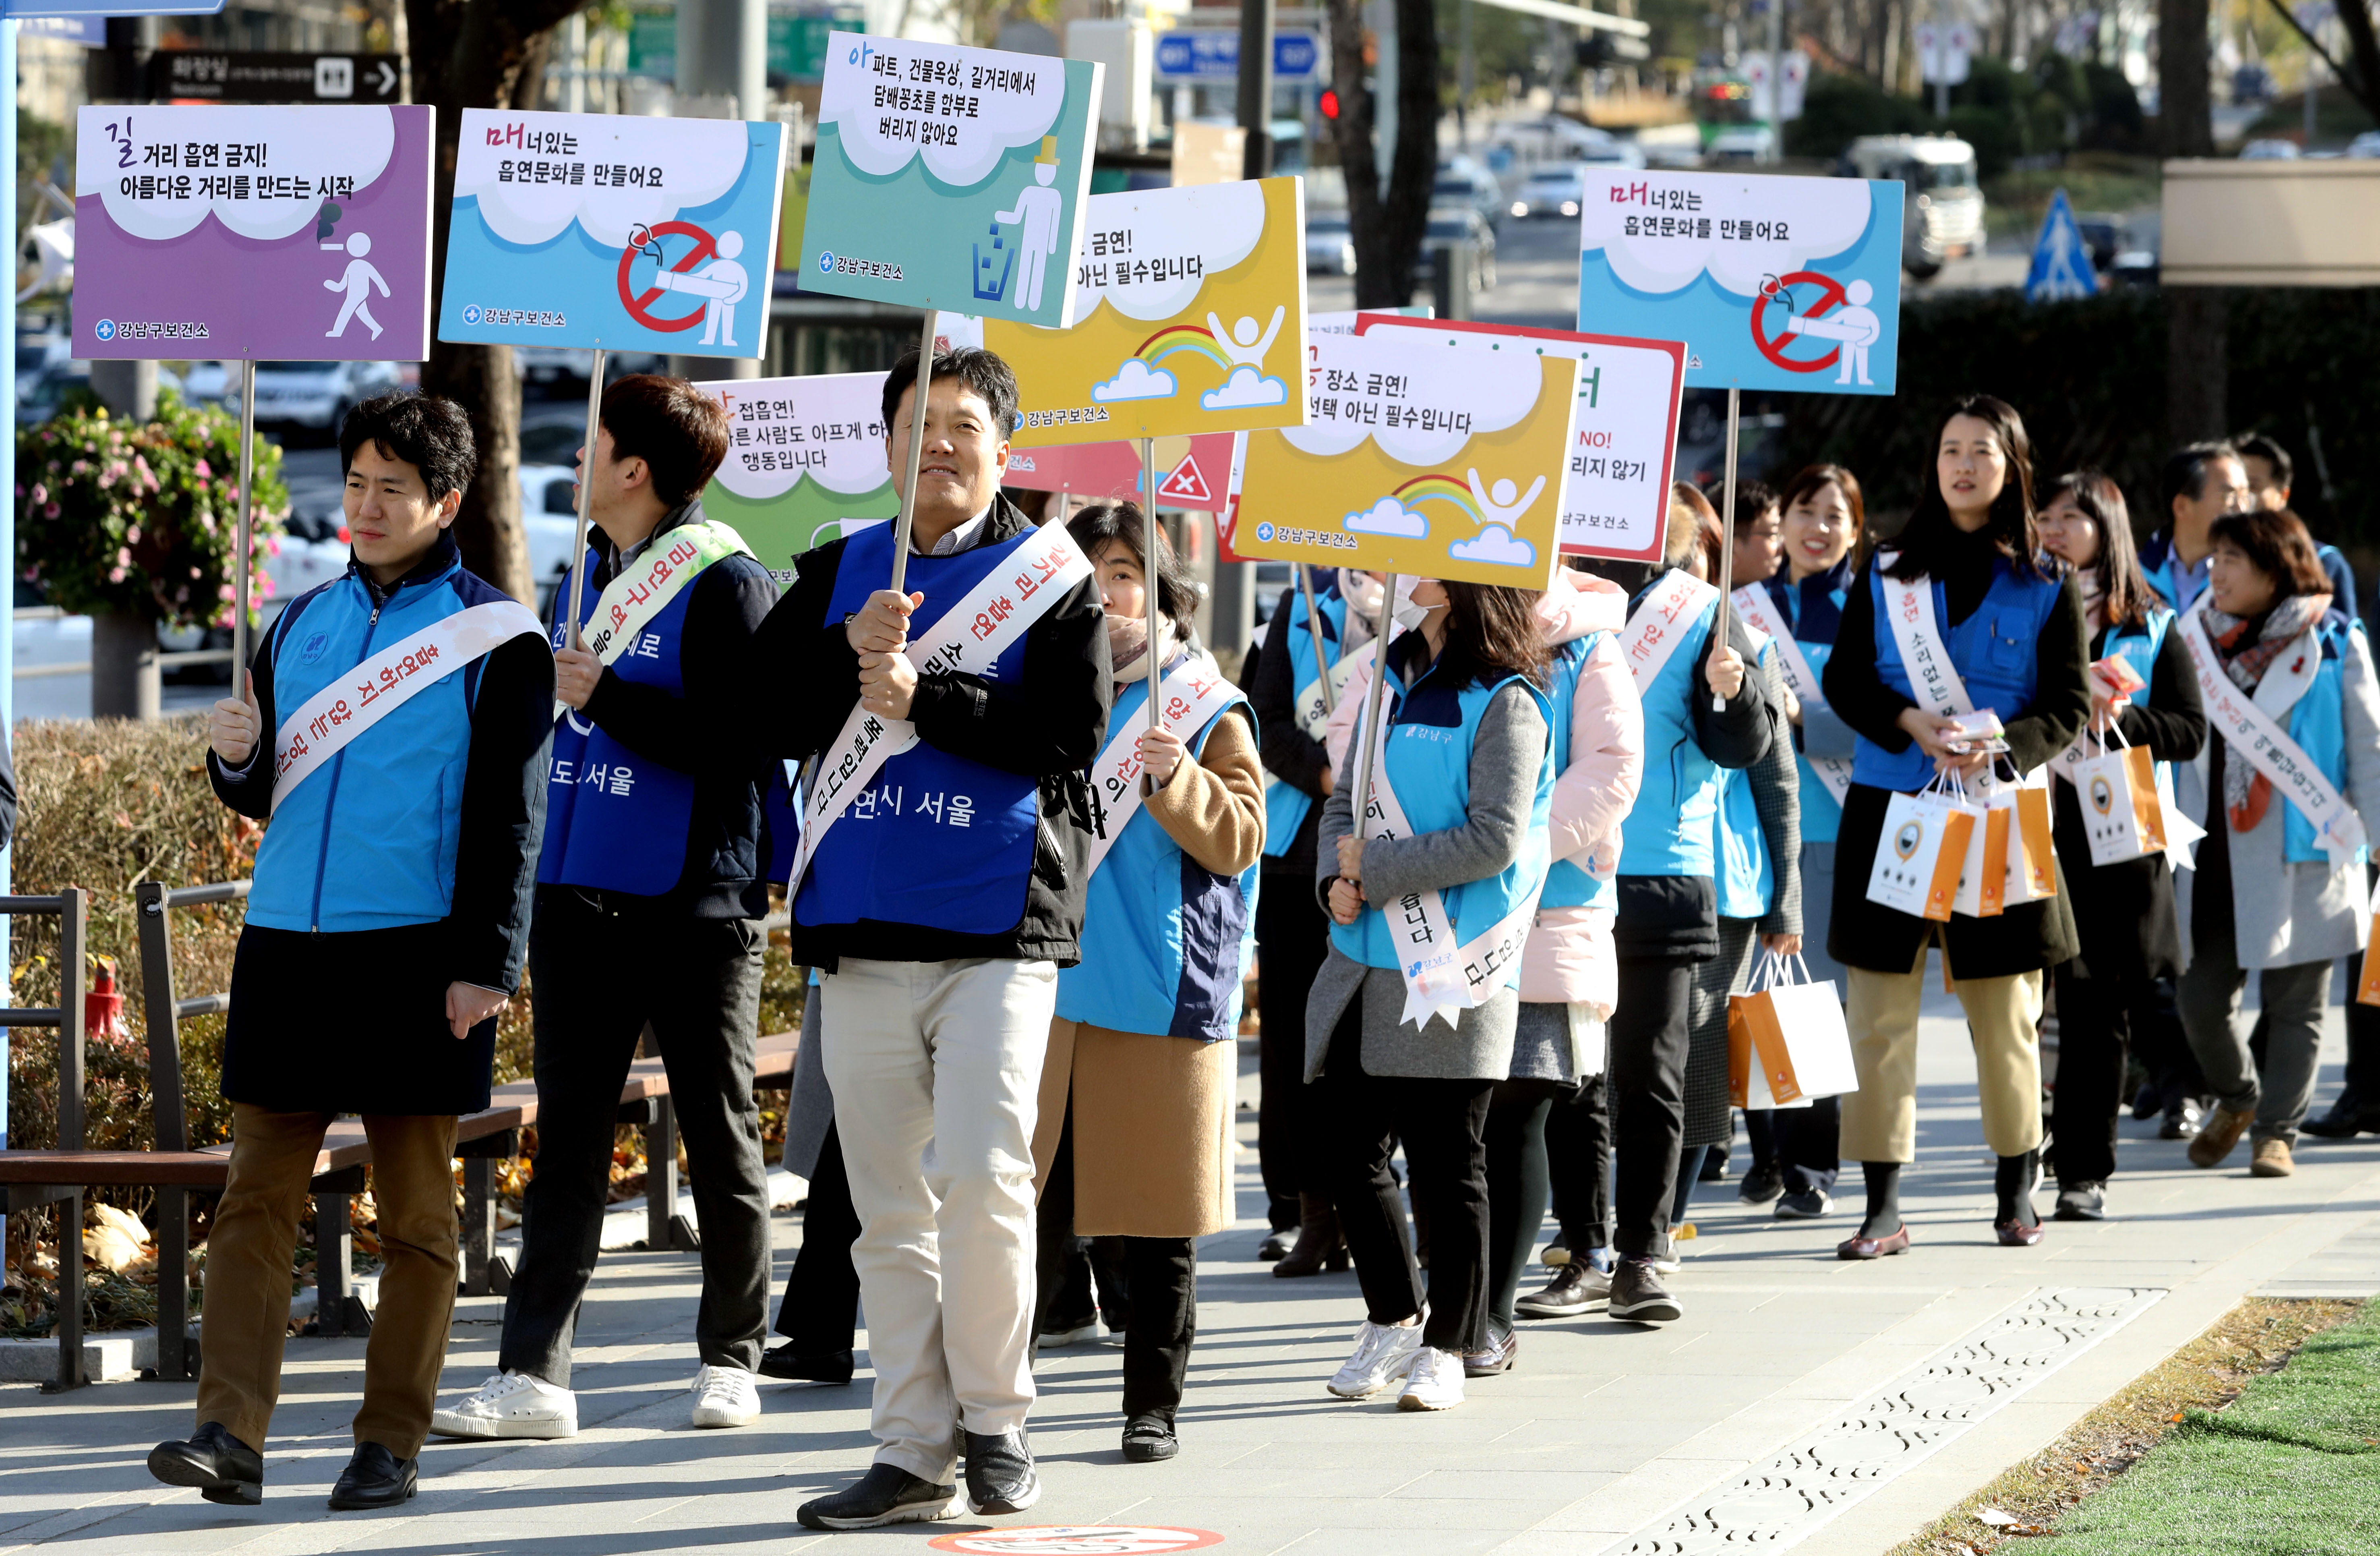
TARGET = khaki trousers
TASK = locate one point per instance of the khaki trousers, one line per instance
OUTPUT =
(1881, 1118)
(251, 1251)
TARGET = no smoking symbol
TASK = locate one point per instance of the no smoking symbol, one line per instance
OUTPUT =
(638, 303)
(1078, 1539)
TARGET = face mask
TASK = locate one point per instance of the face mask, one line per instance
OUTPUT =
(1406, 613)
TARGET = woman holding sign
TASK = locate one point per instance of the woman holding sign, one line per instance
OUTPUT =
(1399, 1047)
(2124, 910)
(1134, 1130)
(1955, 621)
(2294, 719)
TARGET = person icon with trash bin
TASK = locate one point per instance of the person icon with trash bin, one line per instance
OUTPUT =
(1037, 212)
(361, 277)
(724, 282)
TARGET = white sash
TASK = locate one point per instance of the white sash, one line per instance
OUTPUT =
(637, 596)
(1441, 979)
(1313, 716)
(378, 686)
(1932, 677)
(1756, 610)
(967, 640)
(2255, 727)
(1193, 692)
(1661, 624)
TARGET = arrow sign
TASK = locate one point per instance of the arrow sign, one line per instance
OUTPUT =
(2061, 260)
(217, 76)
(383, 80)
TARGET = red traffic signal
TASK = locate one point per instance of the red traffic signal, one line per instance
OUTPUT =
(1330, 103)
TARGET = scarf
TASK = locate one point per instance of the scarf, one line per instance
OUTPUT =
(2246, 655)
(1128, 640)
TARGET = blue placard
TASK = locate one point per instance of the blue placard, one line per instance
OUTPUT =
(2061, 270)
(1772, 282)
(1200, 54)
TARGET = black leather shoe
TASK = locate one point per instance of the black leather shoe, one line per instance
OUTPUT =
(1763, 1183)
(789, 1365)
(1276, 1246)
(374, 1477)
(2344, 1120)
(1638, 1295)
(886, 1494)
(1000, 1476)
(1149, 1438)
(223, 1468)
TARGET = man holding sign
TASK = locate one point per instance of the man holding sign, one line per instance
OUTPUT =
(396, 729)
(947, 830)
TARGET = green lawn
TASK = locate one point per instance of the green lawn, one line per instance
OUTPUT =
(2290, 1468)
(2015, 201)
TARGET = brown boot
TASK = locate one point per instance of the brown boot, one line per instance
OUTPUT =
(2273, 1158)
(1319, 1247)
(2222, 1131)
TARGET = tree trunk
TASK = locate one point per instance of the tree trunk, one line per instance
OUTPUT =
(1388, 232)
(2185, 110)
(2198, 363)
(124, 672)
(2363, 49)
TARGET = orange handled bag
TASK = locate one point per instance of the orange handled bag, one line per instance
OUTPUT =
(1917, 859)
(1786, 1041)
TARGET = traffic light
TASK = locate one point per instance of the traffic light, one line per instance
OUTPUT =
(1330, 103)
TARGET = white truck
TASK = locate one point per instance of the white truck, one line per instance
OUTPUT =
(1943, 218)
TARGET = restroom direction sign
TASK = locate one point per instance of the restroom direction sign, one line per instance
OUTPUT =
(221, 75)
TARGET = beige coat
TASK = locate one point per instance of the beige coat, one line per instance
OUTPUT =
(1153, 1113)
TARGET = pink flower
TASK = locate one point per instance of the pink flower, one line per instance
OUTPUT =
(41, 495)
(124, 558)
(203, 470)
(78, 467)
(273, 547)
(50, 512)
(264, 586)
(182, 595)
(132, 536)
(194, 573)
(224, 593)
(115, 574)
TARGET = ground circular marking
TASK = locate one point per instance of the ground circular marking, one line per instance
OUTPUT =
(1078, 1539)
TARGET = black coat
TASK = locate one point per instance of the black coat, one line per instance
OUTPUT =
(1290, 754)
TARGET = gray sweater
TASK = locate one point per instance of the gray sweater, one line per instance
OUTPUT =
(1506, 759)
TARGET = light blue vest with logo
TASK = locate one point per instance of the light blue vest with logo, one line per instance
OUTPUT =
(936, 840)
(1993, 650)
(368, 840)
(616, 820)
(1669, 831)
(1567, 883)
(1166, 942)
(1285, 804)
(1431, 730)
(1747, 880)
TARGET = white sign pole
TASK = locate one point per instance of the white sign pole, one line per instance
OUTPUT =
(1365, 737)
(916, 449)
(1727, 539)
(586, 496)
(242, 538)
(1149, 540)
(1314, 630)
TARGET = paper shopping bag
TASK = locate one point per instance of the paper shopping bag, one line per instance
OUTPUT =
(1787, 1044)
(1983, 872)
(2181, 833)
(2121, 814)
(1917, 860)
(2032, 868)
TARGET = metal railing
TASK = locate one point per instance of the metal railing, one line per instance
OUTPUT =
(72, 907)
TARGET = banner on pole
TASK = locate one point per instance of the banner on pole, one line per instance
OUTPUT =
(804, 463)
(1444, 462)
(582, 230)
(1771, 282)
(299, 233)
(1624, 433)
(949, 177)
(1189, 314)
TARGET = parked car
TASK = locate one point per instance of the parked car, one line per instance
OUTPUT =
(1944, 216)
(2365, 145)
(2270, 150)
(1551, 191)
(2103, 233)
(314, 395)
(1614, 154)
(1329, 245)
(1464, 181)
(206, 382)
(43, 396)
(550, 518)
(1741, 144)
(1450, 224)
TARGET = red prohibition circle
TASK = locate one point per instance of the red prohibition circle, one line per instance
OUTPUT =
(1831, 295)
(704, 248)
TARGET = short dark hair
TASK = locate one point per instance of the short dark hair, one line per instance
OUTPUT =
(2274, 540)
(1753, 498)
(2184, 474)
(427, 432)
(1177, 589)
(674, 426)
(2258, 445)
(980, 371)
(2123, 593)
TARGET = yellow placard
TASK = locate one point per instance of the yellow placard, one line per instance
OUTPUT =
(1421, 458)
(1190, 309)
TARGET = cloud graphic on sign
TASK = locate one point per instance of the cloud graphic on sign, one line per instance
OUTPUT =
(1244, 390)
(1821, 218)
(828, 427)
(1387, 517)
(1136, 380)
(1495, 546)
(1217, 223)
(1441, 381)
(699, 161)
(999, 120)
(306, 145)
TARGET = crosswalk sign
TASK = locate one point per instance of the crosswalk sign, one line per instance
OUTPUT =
(2061, 259)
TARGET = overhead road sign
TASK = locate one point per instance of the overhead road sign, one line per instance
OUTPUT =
(288, 77)
(1212, 55)
(1577, 16)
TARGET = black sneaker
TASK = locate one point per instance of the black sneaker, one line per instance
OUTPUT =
(2082, 1201)
(886, 1494)
(223, 1468)
(1000, 1476)
(1763, 1183)
(2182, 1120)
(788, 1365)
(2343, 1120)
(1639, 1297)
(1149, 1438)
(1807, 1204)
(1575, 1287)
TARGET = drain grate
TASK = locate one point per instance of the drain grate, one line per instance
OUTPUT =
(1787, 1499)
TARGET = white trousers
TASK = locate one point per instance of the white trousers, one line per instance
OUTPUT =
(936, 1067)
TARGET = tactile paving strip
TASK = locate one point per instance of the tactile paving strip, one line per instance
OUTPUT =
(1785, 1500)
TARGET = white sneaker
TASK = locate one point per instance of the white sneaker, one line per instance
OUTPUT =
(1383, 1352)
(1434, 1382)
(511, 1405)
(724, 1396)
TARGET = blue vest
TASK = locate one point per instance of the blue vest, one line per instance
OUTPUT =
(1285, 804)
(1166, 942)
(936, 840)
(2162, 567)
(1992, 650)
(1814, 610)
(616, 820)
(1432, 731)
(1669, 830)
(2318, 723)
(368, 840)
(1746, 880)
(1567, 883)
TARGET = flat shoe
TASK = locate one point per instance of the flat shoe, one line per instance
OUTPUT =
(1874, 1247)
(2016, 1234)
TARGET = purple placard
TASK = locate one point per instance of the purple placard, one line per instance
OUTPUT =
(266, 270)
